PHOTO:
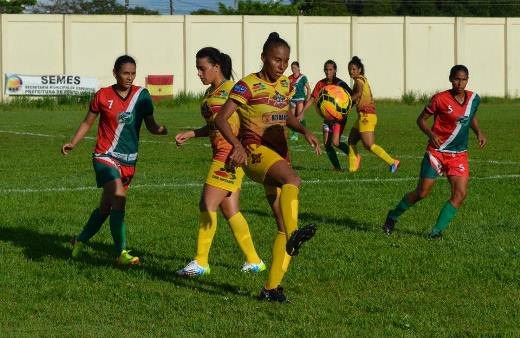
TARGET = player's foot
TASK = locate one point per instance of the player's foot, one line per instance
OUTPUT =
(253, 267)
(299, 237)
(125, 259)
(193, 269)
(357, 165)
(339, 170)
(435, 235)
(78, 248)
(394, 166)
(275, 295)
(388, 227)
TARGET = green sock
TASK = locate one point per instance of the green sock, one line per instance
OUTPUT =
(400, 208)
(343, 147)
(93, 225)
(447, 213)
(118, 229)
(333, 157)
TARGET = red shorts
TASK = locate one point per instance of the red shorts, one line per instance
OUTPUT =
(333, 127)
(436, 163)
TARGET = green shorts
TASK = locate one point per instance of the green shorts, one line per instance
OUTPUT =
(108, 169)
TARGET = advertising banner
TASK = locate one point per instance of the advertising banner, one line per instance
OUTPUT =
(42, 85)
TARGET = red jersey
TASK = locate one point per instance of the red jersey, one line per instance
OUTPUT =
(452, 119)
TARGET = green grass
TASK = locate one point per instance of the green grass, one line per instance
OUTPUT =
(350, 280)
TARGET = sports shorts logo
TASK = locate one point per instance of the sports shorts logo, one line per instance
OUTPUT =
(256, 158)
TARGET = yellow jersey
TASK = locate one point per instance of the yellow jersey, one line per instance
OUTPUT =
(366, 102)
(263, 109)
(211, 105)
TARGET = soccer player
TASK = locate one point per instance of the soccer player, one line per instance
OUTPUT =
(364, 127)
(262, 103)
(302, 93)
(454, 112)
(222, 187)
(121, 108)
(332, 130)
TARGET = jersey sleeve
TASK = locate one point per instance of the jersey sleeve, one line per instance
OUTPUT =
(316, 90)
(144, 103)
(240, 92)
(432, 107)
(94, 104)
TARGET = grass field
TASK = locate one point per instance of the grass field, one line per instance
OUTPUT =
(350, 280)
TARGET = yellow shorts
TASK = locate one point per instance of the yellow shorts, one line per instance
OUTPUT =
(219, 177)
(259, 160)
(365, 122)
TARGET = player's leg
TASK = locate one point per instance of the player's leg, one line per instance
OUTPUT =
(367, 131)
(354, 159)
(230, 207)
(292, 110)
(300, 114)
(337, 131)
(329, 149)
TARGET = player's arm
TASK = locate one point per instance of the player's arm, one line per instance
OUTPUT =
(482, 140)
(296, 125)
(425, 128)
(153, 127)
(180, 138)
(357, 91)
(83, 129)
(307, 92)
(238, 155)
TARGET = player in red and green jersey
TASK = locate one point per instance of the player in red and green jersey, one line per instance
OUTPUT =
(222, 186)
(262, 103)
(302, 92)
(364, 127)
(121, 109)
(332, 130)
(454, 112)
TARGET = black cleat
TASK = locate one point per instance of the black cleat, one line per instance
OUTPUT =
(299, 237)
(275, 295)
(433, 236)
(388, 227)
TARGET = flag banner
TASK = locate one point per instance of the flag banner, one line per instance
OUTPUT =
(43, 85)
(160, 86)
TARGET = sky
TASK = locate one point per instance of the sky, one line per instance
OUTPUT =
(182, 6)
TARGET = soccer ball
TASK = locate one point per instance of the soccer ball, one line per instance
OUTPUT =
(334, 103)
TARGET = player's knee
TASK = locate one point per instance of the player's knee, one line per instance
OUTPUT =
(294, 180)
(336, 143)
(422, 193)
(458, 197)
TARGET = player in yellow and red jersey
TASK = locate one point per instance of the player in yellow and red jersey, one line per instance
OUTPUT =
(454, 112)
(332, 129)
(222, 187)
(364, 127)
(121, 109)
(262, 103)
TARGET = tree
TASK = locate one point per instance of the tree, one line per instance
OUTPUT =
(251, 7)
(15, 6)
(90, 7)
(322, 7)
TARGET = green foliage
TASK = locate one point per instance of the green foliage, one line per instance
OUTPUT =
(90, 7)
(349, 281)
(15, 6)
(252, 7)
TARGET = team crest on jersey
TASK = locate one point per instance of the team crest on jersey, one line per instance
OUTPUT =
(221, 94)
(258, 86)
(278, 100)
(284, 83)
(125, 117)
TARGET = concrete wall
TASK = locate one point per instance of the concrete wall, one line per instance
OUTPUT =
(400, 53)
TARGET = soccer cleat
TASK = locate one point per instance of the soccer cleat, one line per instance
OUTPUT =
(273, 295)
(77, 248)
(253, 267)
(299, 237)
(339, 170)
(193, 269)
(358, 164)
(294, 137)
(388, 227)
(125, 259)
(394, 166)
(435, 235)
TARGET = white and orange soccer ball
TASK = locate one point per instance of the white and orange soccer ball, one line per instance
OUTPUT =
(334, 103)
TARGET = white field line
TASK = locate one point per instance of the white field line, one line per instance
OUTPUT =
(199, 184)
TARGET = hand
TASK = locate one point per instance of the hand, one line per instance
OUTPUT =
(313, 141)
(162, 130)
(182, 137)
(66, 148)
(435, 141)
(482, 140)
(238, 156)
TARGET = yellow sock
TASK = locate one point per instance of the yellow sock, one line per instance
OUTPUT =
(240, 229)
(289, 206)
(207, 228)
(352, 158)
(280, 262)
(382, 154)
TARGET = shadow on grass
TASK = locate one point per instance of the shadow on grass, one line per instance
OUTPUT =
(37, 245)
